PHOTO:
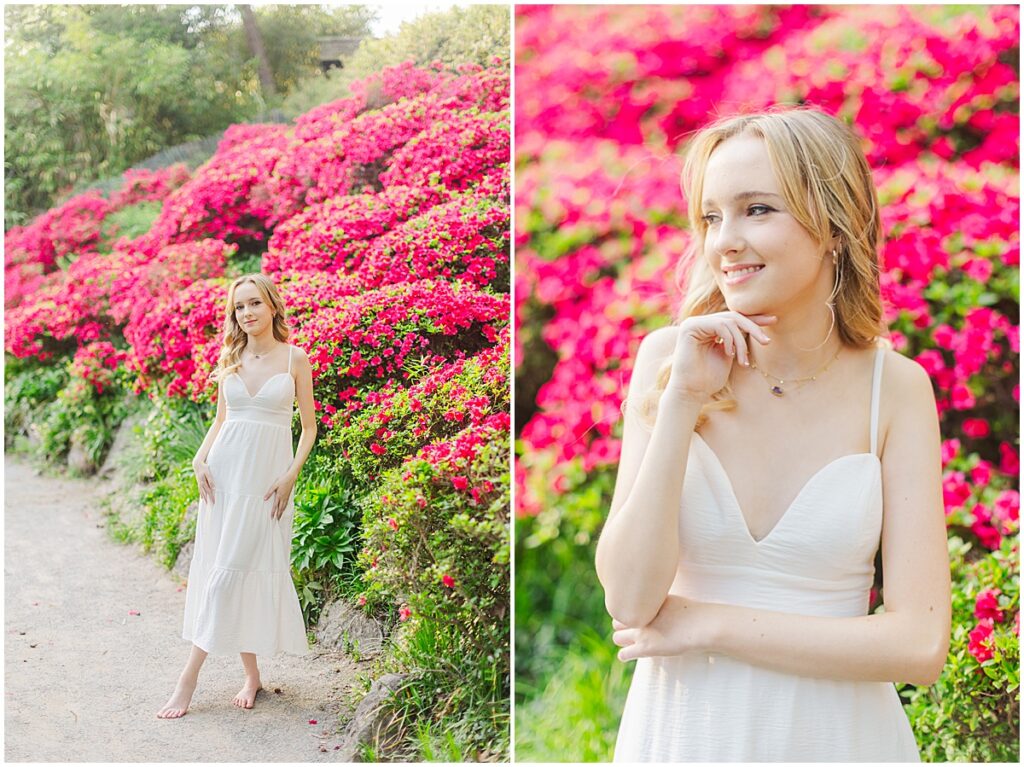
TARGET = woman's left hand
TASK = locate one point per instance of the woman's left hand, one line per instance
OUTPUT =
(680, 626)
(281, 490)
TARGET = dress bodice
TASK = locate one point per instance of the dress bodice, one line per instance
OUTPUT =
(273, 403)
(819, 559)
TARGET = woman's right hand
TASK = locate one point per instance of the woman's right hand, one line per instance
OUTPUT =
(706, 348)
(205, 480)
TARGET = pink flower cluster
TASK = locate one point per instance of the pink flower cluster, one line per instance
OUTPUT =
(458, 394)
(601, 223)
(368, 340)
(220, 200)
(467, 239)
(988, 612)
(332, 236)
(343, 147)
(96, 363)
(142, 185)
(71, 230)
(174, 347)
(453, 458)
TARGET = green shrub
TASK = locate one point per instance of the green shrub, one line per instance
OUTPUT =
(166, 503)
(128, 222)
(557, 592)
(972, 713)
(453, 707)
(436, 535)
(88, 409)
(325, 543)
(28, 389)
(158, 473)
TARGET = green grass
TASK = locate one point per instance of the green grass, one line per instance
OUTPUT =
(574, 715)
(451, 708)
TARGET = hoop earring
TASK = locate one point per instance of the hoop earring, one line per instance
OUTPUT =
(830, 303)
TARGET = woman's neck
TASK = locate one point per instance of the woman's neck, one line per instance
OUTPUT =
(263, 344)
(801, 343)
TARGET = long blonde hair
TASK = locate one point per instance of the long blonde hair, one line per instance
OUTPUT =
(235, 337)
(827, 185)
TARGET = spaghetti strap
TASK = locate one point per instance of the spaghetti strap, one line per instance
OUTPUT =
(289, 359)
(876, 386)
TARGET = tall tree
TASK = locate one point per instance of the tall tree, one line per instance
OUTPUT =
(252, 34)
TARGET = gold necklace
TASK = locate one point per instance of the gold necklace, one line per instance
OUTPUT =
(261, 354)
(777, 389)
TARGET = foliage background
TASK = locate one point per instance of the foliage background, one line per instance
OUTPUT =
(600, 119)
(383, 218)
(91, 90)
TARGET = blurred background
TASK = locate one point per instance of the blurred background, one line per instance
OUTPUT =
(601, 117)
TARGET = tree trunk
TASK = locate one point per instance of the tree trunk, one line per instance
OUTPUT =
(252, 33)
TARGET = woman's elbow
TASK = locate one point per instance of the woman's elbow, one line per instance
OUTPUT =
(930, 664)
(630, 612)
(928, 673)
(630, 615)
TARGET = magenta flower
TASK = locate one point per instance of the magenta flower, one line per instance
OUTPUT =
(979, 641)
(987, 606)
(976, 428)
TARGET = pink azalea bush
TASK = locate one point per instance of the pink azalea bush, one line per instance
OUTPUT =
(600, 224)
(383, 218)
(437, 526)
(75, 228)
(466, 238)
(396, 421)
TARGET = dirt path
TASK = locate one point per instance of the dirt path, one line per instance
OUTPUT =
(85, 678)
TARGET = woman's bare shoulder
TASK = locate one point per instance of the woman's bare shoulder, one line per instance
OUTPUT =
(907, 397)
(299, 356)
(656, 347)
(658, 344)
(904, 380)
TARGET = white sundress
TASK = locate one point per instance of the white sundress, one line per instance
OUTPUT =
(817, 560)
(240, 595)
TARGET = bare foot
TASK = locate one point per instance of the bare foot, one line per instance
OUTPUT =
(178, 704)
(247, 695)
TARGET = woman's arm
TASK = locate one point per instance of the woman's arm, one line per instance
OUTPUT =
(638, 551)
(211, 434)
(282, 487)
(910, 640)
(307, 415)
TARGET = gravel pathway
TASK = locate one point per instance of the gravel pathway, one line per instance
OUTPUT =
(85, 676)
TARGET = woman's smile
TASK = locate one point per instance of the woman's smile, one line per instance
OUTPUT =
(734, 275)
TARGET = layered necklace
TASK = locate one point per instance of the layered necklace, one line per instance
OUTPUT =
(792, 383)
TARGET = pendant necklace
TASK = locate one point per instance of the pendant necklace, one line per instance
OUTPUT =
(793, 383)
(256, 356)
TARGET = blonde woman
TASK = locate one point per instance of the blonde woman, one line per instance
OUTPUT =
(240, 594)
(772, 442)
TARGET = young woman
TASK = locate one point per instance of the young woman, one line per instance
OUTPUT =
(240, 594)
(772, 442)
